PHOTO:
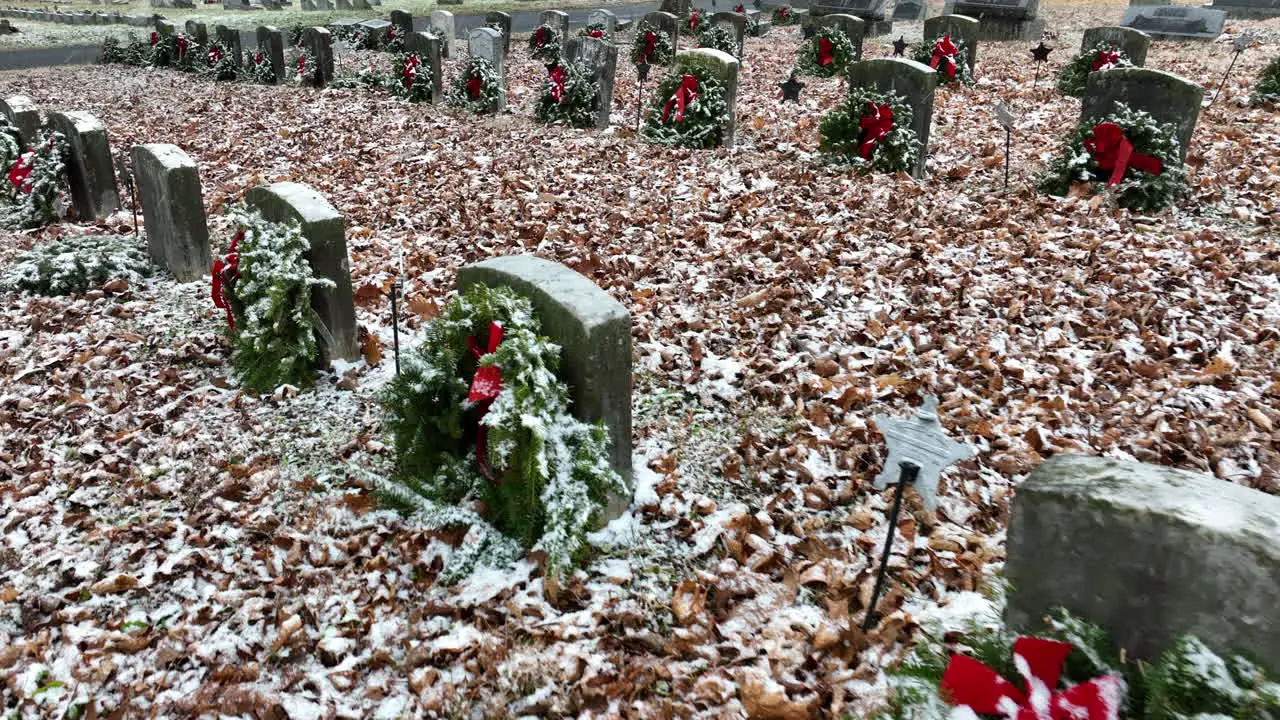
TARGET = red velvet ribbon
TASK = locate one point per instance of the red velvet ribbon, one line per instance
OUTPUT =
(946, 50)
(875, 128)
(225, 271)
(258, 58)
(685, 94)
(474, 86)
(182, 46)
(694, 19)
(783, 11)
(969, 682)
(558, 77)
(21, 171)
(215, 55)
(826, 52)
(391, 33)
(486, 385)
(540, 37)
(155, 38)
(595, 33)
(650, 45)
(410, 70)
(1106, 58)
(1111, 150)
(302, 65)
(739, 9)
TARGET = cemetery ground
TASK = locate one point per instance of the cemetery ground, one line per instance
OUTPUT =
(175, 547)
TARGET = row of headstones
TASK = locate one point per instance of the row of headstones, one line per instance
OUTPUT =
(76, 18)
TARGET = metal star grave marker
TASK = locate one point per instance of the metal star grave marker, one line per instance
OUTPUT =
(918, 451)
(1242, 41)
(900, 46)
(791, 89)
(1040, 54)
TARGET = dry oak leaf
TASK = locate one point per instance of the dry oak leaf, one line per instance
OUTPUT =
(688, 601)
(118, 584)
(765, 699)
(373, 350)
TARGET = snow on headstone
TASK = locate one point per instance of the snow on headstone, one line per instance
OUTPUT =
(90, 171)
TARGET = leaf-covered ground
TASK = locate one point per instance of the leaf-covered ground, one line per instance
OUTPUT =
(173, 547)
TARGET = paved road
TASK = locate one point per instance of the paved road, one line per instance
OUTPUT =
(75, 55)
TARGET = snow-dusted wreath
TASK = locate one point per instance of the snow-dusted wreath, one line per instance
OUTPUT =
(478, 418)
(190, 55)
(264, 283)
(690, 110)
(220, 64)
(785, 15)
(257, 69)
(1267, 89)
(34, 177)
(871, 129)
(164, 50)
(1137, 157)
(1075, 74)
(413, 84)
(304, 70)
(593, 30)
(829, 52)
(569, 97)
(693, 23)
(476, 88)
(544, 44)
(652, 45)
(720, 37)
(949, 57)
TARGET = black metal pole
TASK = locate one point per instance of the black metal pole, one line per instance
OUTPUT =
(907, 475)
(395, 322)
(1224, 79)
(1036, 82)
(639, 104)
(1008, 143)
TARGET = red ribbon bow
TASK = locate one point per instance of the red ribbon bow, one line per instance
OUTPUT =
(1111, 150)
(226, 270)
(558, 77)
(540, 37)
(595, 33)
(969, 682)
(694, 18)
(685, 94)
(302, 64)
(826, 52)
(474, 86)
(650, 45)
(739, 9)
(182, 46)
(486, 385)
(410, 70)
(1106, 58)
(391, 33)
(783, 11)
(215, 55)
(946, 50)
(20, 173)
(155, 38)
(875, 128)
(258, 58)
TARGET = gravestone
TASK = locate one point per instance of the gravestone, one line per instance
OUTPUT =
(442, 25)
(166, 28)
(1133, 43)
(666, 22)
(172, 210)
(961, 28)
(325, 230)
(343, 4)
(361, 5)
(271, 45)
(874, 12)
(1248, 8)
(557, 20)
(377, 30)
(909, 10)
(605, 18)
(1149, 553)
(501, 22)
(308, 5)
(594, 334)
(736, 21)
(1003, 19)
(724, 68)
(1181, 22)
(429, 49)
(601, 56)
(910, 79)
(198, 33)
(485, 42)
(272, 5)
(403, 22)
(90, 172)
(679, 8)
(853, 28)
(319, 42)
(1167, 97)
(323, 4)
(230, 39)
(24, 115)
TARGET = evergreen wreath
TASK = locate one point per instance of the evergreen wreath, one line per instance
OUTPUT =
(35, 178)
(264, 283)
(478, 417)
(594, 30)
(952, 59)
(652, 45)
(219, 64)
(112, 52)
(784, 15)
(1267, 89)
(1075, 74)
(395, 40)
(190, 56)
(1154, 177)
(411, 86)
(690, 110)
(295, 34)
(720, 37)
(828, 53)
(872, 130)
(133, 52)
(164, 50)
(1187, 681)
(544, 44)
(694, 22)
(569, 97)
(476, 88)
(304, 70)
(75, 264)
(257, 69)
(367, 79)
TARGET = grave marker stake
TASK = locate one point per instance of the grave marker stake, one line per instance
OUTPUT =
(907, 473)
(395, 323)
(1005, 118)
(1241, 42)
(126, 178)
(642, 71)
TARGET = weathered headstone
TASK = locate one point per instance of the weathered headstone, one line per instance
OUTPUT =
(361, 5)
(325, 230)
(23, 113)
(501, 22)
(679, 8)
(1133, 43)
(557, 20)
(724, 68)
(166, 28)
(1248, 8)
(319, 42)
(666, 22)
(198, 33)
(1167, 97)
(1149, 553)
(910, 10)
(960, 27)
(910, 79)
(172, 210)
(429, 49)
(308, 5)
(1003, 19)
(605, 18)
(737, 22)
(602, 57)
(271, 45)
(853, 28)
(90, 171)
(1181, 22)
(594, 334)
(403, 22)
(442, 24)
(377, 30)
(343, 4)
(324, 4)
(485, 42)
(874, 12)
(230, 39)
